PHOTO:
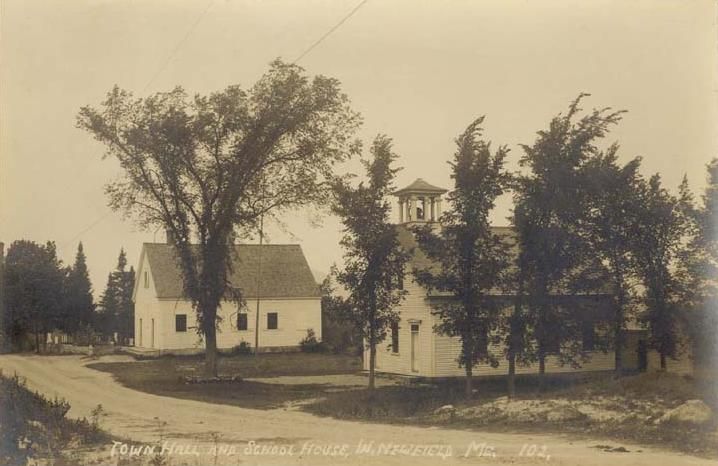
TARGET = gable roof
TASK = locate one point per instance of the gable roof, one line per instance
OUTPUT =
(285, 272)
(420, 186)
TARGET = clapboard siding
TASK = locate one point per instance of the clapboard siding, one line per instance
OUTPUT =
(414, 307)
(447, 351)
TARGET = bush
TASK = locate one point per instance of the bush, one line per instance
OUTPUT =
(33, 426)
(242, 348)
(310, 344)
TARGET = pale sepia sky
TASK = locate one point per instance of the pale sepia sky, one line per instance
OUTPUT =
(417, 70)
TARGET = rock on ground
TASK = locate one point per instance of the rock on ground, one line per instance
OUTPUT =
(694, 412)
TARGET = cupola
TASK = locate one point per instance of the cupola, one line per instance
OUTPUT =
(420, 202)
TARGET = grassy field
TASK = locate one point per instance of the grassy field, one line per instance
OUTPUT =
(165, 376)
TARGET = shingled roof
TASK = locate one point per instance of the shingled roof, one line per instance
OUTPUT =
(285, 272)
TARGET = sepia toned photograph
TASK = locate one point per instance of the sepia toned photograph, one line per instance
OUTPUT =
(344, 232)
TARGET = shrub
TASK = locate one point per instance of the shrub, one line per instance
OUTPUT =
(242, 348)
(310, 344)
(33, 426)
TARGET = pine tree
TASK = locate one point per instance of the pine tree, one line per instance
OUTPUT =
(116, 310)
(125, 307)
(373, 260)
(78, 293)
(471, 259)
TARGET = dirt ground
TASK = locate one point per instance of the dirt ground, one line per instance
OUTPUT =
(196, 433)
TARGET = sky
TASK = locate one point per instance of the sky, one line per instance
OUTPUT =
(419, 71)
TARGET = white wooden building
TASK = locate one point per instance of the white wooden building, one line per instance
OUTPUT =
(276, 275)
(413, 348)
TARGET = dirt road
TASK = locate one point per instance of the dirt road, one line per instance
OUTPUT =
(286, 437)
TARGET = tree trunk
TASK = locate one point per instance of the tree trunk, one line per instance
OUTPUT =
(210, 364)
(372, 353)
(209, 328)
(542, 370)
(516, 327)
(663, 361)
(469, 381)
(512, 375)
(619, 336)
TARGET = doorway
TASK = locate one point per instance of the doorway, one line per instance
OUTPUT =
(152, 334)
(414, 347)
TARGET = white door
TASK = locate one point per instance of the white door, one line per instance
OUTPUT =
(414, 347)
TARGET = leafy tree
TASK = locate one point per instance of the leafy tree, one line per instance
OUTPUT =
(516, 325)
(657, 242)
(338, 331)
(698, 268)
(373, 260)
(550, 202)
(33, 280)
(207, 168)
(78, 294)
(471, 259)
(609, 226)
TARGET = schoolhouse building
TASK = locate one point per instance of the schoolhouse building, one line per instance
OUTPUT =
(413, 348)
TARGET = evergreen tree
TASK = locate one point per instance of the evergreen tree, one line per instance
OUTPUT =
(373, 260)
(78, 294)
(471, 259)
(125, 307)
(106, 320)
(116, 310)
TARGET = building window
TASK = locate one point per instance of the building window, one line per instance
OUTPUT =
(242, 321)
(588, 336)
(272, 321)
(147, 279)
(181, 323)
(395, 337)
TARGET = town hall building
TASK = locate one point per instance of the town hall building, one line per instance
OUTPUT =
(276, 276)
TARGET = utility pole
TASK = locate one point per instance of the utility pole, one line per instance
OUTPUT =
(259, 274)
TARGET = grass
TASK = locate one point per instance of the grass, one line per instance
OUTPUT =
(647, 393)
(33, 427)
(164, 376)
